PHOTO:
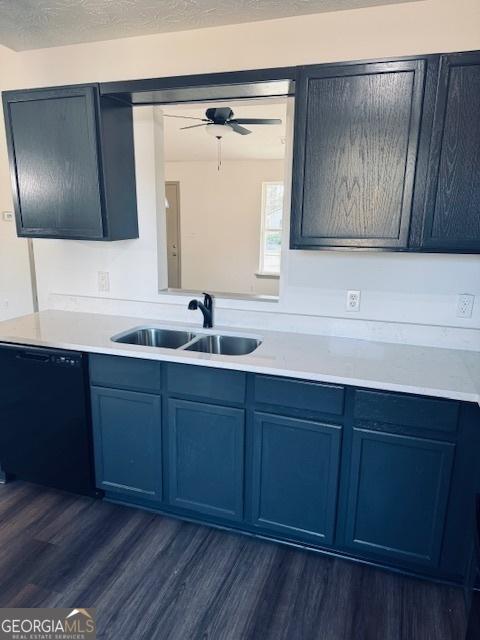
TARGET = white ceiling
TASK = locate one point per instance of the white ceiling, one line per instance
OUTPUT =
(34, 24)
(266, 142)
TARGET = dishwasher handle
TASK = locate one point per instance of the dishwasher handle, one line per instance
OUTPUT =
(33, 355)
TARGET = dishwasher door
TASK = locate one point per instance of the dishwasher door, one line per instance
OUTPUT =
(45, 433)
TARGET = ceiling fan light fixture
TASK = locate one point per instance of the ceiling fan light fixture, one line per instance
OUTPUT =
(218, 130)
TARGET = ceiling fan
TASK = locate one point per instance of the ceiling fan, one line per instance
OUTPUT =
(220, 121)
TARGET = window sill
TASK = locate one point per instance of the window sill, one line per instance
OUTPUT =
(273, 276)
(185, 294)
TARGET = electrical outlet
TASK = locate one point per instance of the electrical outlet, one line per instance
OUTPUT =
(465, 305)
(103, 281)
(7, 216)
(353, 300)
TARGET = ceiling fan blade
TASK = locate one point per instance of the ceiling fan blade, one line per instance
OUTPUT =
(257, 120)
(238, 129)
(170, 115)
(193, 126)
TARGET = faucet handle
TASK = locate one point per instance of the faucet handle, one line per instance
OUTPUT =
(208, 300)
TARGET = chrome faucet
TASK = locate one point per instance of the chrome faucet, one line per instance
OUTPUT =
(206, 307)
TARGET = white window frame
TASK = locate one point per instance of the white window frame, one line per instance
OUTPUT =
(263, 230)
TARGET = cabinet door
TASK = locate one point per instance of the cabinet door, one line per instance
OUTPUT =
(452, 206)
(127, 441)
(206, 458)
(52, 136)
(355, 149)
(295, 476)
(398, 494)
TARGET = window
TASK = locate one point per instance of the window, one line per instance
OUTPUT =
(271, 235)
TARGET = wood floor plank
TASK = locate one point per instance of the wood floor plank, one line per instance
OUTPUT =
(228, 614)
(18, 559)
(30, 596)
(431, 611)
(97, 543)
(171, 595)
(153, 577)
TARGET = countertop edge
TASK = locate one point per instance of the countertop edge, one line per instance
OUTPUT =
(194, 359)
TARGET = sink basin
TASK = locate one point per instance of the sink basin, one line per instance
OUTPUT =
(226, 345)
(152, 337)
(189, 341)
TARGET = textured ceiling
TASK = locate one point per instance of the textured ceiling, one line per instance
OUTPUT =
(34, 24)
(266, 142)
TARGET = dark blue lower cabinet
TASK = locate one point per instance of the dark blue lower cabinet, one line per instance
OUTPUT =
(398, 494)
(127, 428)
(206, 458)
(379, 476)
(295, 477)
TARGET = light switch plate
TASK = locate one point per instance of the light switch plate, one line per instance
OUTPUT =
(103, 281)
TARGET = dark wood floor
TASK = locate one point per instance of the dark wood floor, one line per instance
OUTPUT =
(157, 578)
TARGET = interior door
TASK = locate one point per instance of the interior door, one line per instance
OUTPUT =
(172, 193)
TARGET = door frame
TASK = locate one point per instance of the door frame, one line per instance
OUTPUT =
(176, 184)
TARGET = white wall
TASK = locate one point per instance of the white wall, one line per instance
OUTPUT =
(71, 267)
(404, 297)
(220, 222)
(15, 289)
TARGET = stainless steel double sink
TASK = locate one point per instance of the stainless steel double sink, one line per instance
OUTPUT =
(228, 345)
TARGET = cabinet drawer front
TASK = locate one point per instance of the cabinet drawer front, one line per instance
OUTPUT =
(374, 408)
(205, 458)
(125, 373)
(127, 437)
(295, 476)
(296, 394)
(399, 487)
(205, 382)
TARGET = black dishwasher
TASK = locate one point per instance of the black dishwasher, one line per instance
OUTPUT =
(45, 433)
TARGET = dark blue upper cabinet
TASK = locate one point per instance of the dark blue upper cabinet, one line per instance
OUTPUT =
(452, 204)
(356, 133)
(71, 163)
(127, 430)
(295, 477)
(206, 458)
(398, 492)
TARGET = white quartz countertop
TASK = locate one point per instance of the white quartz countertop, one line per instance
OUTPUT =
(444, 373)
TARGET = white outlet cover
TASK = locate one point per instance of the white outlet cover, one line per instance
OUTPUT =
(7, 216)
(353, 300)
(465, 305)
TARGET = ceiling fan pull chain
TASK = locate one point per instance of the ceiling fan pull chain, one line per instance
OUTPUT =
(219, 153)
